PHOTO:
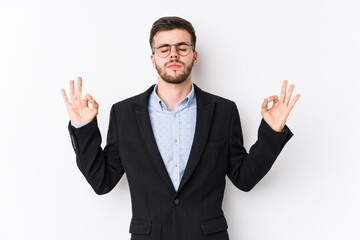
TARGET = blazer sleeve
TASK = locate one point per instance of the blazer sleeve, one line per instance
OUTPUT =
(245, 170)
(102, 168)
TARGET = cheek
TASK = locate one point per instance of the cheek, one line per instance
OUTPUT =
(186, 60)
(160, 64)
(190, 62)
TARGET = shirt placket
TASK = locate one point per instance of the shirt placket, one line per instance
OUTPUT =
(176, 148)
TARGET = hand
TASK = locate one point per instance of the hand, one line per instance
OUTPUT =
(277, 115)
(79, 110)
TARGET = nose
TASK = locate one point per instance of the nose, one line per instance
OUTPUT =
(173, 52)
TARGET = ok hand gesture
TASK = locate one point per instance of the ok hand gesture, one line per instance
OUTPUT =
(277, 115)
(78, 109)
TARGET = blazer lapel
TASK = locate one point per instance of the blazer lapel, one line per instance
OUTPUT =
(204, 117)
(143, 120)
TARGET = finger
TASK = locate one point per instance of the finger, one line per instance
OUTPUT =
(264, 106)
(283, 91)
(95, 106)
(292, 104)
(288, 95)
(72, 92)
(66, 100)
(273, 98)
(86, 99)
(79, 88)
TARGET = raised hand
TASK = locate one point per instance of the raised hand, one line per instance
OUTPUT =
(78, 109)
(277, 115)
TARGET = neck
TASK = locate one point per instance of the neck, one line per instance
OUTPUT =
(171, 94)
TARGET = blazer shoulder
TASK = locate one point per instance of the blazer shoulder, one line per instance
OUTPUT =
(126, 101)
(218, 100)
(139, 99)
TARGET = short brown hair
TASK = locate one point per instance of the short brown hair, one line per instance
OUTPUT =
(170, 23)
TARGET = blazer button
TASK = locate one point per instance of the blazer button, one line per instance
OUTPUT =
(176, 201)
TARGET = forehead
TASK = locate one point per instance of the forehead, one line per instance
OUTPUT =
(172, 36)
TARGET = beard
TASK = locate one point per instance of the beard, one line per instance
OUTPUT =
(177, 79)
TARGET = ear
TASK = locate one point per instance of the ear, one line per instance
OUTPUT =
(153, 60)
(195, 58)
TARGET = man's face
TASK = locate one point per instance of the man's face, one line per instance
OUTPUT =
(173, 68)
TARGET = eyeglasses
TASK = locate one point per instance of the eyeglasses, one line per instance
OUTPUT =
(182, 48)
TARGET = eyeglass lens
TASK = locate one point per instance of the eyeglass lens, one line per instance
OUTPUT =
(182, 49)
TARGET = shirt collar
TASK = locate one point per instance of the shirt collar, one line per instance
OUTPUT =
(156, 102)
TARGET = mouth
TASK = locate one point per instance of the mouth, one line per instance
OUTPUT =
(174, 66)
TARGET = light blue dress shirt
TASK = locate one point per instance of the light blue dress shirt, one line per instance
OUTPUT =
(173, 131)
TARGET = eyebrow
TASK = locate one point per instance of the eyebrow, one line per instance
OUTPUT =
(167, 44)
(162, 45)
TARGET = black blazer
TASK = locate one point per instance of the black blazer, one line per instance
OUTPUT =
(158, 211)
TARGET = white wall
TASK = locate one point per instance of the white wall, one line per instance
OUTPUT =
(246, 49)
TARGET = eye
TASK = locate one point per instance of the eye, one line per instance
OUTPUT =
(163, 49)
(183, 47)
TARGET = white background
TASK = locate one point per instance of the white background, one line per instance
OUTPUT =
(246, 49)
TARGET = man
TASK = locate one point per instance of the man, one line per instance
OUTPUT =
(175, 143)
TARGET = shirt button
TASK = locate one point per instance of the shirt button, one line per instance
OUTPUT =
(176, 165)
(176, 201)
(175, 139)
(174, 115)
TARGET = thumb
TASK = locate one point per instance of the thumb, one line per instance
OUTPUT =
(264, 106)
(94, 104)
